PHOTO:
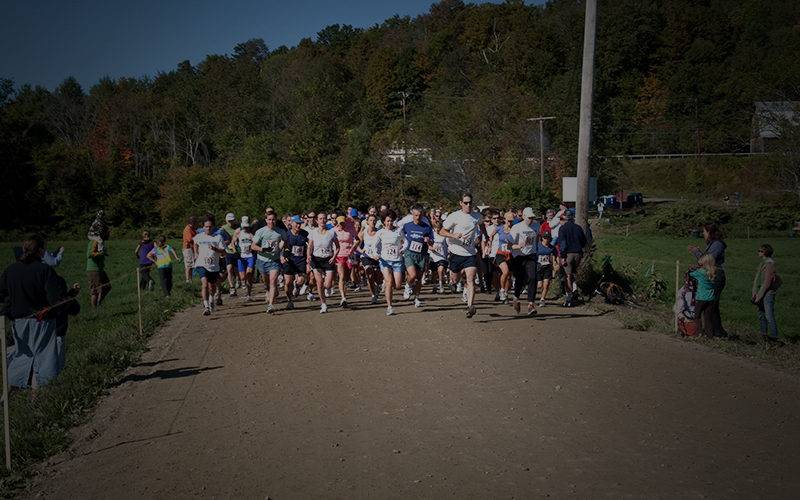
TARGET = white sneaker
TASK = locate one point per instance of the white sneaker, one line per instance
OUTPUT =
(389, 311)
(206, 311)
(357, 288)
(459, 287)
(323, 308)
(464, 296)
(233, 293)
(310, 297)
(374, 299)
(304, 289)
(281, 281)
(417, 303)
(248, 298)
(328, 293)
(541, 303)
(270, 309)
(407, 293)
(343, 303)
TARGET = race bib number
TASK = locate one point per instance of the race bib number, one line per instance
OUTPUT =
(504, 248)
(437, 247)
(208, 262)
(544, 260)
(468, 241)
(245, 249)
(270, 246)
(530, 240)
(392, 251)
(325, 252)
(415, 246)
(297, 250)
(370, 250)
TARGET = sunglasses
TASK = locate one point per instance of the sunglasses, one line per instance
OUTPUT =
(466, 202)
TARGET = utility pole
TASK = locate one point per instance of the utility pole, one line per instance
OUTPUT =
(541, 120)
(587, 105)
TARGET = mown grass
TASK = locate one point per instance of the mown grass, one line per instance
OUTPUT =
(101, 344)
(741, 264)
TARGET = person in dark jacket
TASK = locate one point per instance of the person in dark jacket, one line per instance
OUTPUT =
(28, 290)
(716, 247)
(571, 241)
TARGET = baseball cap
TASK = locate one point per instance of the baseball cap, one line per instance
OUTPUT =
(245, 221)
(297, 219)
(567, 215)
(230, 216)
(528, 212)
(353, 213)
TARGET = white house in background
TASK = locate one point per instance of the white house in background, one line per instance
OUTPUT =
(769, 119)
(401, 153)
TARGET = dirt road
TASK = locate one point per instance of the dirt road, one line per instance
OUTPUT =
(430, 404)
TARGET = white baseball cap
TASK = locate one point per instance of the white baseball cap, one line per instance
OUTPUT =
(230, 216)
(528, 212)
(245, 221)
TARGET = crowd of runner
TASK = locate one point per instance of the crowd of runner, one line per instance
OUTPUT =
(317, 255)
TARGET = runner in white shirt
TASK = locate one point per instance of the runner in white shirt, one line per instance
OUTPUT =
(209, 247)
(389, 254)
(524, 245)
(369, 235)
(323, 248)
(463, 228)
(438, 260)
(241, 241)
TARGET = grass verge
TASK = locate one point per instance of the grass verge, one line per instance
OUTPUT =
(101, 343)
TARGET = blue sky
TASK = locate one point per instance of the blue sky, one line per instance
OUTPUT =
(45, 41)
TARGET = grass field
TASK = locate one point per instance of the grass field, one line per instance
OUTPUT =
(100, 344)
(741, 264)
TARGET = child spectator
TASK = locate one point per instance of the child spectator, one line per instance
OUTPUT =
(705, 276)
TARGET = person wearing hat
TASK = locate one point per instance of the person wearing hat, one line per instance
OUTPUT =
(523, 251)
(571, 242)
(231, 257)
(293, 258)
(246, 263)
(501, 245)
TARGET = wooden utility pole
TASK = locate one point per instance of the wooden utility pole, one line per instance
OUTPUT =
(541, 120)
(587, 105)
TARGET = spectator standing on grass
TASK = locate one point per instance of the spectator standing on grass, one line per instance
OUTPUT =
(99, 284)
(765, 285)
(160, 256)
(28, 290)
(189, 232)
(716, 247)
(67, 307)
(600, 207)
(571, 242)
(704, 300)
(142, 250)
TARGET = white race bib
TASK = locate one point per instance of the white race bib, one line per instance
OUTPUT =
(415, 246)
(544, 260)
(530, 240)
(325, 252)
(297, 250)
(391, 251)
(504, 248)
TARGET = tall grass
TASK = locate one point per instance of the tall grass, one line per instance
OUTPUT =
(101, 343)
